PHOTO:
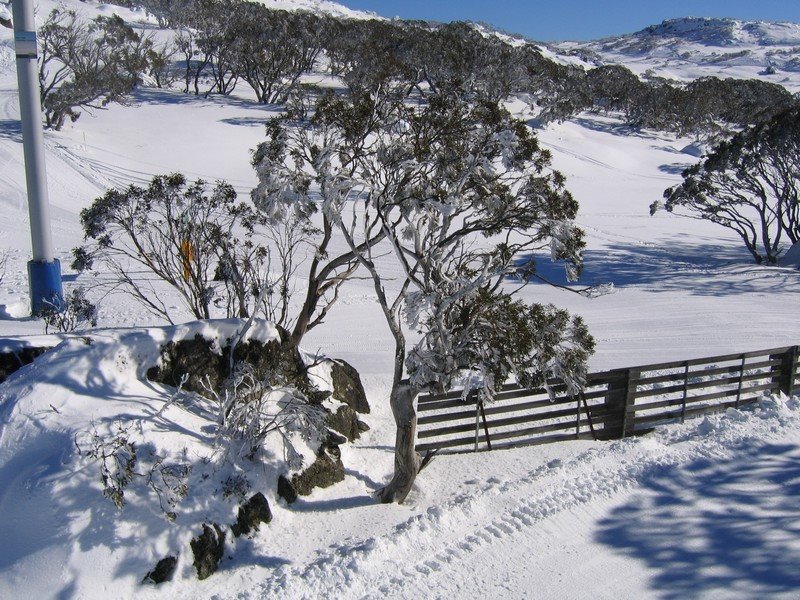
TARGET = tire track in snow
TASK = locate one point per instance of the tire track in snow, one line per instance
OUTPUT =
(468, 526)
(604, 165)
(11, 168)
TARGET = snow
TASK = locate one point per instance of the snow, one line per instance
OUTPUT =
(689, 48)
(704, 509)
(319, 6)
(792, 256)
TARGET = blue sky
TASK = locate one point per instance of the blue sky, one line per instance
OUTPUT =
(578, 19)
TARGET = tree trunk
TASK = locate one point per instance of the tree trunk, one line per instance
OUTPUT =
(406, 459)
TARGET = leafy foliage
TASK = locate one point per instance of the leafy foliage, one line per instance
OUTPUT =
(87, 65)
(75, 312)
(748, 184)
(482, 340)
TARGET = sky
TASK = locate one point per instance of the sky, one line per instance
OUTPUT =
(556, 20)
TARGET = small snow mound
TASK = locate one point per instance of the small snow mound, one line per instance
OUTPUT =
(776, 406)
(792, 256)
(696, 149)
(708, 426)
(15, 310)
(735, 415)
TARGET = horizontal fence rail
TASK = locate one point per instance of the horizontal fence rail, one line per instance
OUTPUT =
(613, 405)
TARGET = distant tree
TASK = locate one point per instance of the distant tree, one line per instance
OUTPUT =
(160, 65)
(194, 61)
(748, 184)
(456, 191)
(274, 48)
(87, 65)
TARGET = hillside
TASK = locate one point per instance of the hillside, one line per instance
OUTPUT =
(703, 509)
(689, 48)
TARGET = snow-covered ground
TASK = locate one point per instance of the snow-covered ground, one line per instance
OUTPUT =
(689, 48)
(707, 509)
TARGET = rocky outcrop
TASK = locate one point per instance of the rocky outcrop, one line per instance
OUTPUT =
(204, 365)
(208, 549)
(345, 421)
(251, 515)
(199, 364)
(164, 570)
(326, 470)
(347, 386)
(13, 361)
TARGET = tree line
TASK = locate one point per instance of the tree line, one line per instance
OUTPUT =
(217, 45)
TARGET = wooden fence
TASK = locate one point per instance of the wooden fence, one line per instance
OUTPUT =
(614, 404)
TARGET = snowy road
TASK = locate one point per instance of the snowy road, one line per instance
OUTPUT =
(708, 509)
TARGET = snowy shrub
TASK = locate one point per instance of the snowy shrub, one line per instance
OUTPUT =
(121, 462)
(170, 484)
(250, 409)
(236, 486)
(116, 457)
(748, 184)
(87, 64)
(76, 312)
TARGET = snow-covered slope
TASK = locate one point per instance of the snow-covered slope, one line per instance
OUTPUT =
(705, 509)
(319, 6)
(695, 47)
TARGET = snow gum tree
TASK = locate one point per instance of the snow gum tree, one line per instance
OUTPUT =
(87, 64)
(437, 198)
(749, 185)
(185, 235)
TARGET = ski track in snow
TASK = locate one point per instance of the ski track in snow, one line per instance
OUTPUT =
(415, 556)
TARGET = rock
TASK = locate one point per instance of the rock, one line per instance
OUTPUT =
(344, 421)
(11, 362)
(335, 438)
(165, 569)
(286, 489)
(208, 549)
(347, 386)
(196, 359)
(362, 427)
(251, 514)
(326, 470)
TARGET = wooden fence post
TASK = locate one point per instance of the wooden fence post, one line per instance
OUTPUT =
(630, 400)
(784, 375)
(616, 423)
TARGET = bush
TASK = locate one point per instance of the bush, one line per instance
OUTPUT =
(180, 233)
(75, 313)
(87, 65)
(749, 185)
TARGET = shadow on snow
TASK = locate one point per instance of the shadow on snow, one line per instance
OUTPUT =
(715, 527)
(701, 269)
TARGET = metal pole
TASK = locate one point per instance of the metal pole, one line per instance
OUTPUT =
(44, 271)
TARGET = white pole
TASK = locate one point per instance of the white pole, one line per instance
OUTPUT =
(44, 271)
